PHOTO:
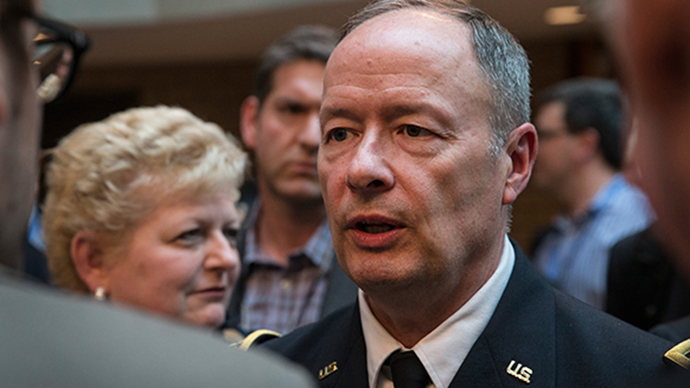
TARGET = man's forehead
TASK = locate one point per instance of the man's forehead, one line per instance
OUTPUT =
(426, 36)
(424, 28)
(407, 46)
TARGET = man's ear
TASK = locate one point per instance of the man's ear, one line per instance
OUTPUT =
(87, 254)
(249, 115)
(521, 147)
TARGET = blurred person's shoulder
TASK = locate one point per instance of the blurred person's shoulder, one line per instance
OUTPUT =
(51, 339)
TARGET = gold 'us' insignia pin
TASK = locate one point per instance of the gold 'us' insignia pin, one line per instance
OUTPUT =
(519, 371)
(325, 372)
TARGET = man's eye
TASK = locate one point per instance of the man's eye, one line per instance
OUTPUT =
(339, 134)
(294, 109)
(415, 131)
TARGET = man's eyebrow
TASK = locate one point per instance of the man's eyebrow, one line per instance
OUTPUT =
(397, 111)
(389, 113)
(328, 113)
(290, 100)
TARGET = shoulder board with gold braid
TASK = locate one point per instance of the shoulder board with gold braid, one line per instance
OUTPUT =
(679, 354)
(258, 337)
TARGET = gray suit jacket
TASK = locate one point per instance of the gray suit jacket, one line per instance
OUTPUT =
(49, 339)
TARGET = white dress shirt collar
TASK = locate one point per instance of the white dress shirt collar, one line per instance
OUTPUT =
(442, 351)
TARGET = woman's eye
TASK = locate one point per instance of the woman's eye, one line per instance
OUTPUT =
(189, 235)
(339, 134)
(415, 131)
(231, 235)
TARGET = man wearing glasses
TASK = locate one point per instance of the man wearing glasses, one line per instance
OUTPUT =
(51, 340)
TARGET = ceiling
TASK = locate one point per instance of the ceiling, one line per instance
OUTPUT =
(242, 35)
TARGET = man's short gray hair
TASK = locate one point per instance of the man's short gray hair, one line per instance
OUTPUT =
(501, 58)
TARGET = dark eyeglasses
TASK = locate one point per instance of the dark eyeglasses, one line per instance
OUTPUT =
(57, 49)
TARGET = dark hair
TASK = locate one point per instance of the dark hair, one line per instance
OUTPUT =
(501, 58)
(12, 14)
(591, 103)
(305, 42)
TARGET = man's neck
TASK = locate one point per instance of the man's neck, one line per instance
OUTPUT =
(283, 226)
(410, 314)
(578, 194)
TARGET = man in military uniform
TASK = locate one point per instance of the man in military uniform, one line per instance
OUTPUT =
(425, 145)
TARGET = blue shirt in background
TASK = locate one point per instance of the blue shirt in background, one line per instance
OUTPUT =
(574, 255)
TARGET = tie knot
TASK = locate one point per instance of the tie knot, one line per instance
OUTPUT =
(407, 371)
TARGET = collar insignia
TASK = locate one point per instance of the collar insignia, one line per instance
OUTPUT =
(680, 354)
(520, 372)
(325, 372)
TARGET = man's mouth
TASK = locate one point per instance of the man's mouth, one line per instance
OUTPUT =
(374, 232)
(374, 224)
(374, 227)
(305, 167)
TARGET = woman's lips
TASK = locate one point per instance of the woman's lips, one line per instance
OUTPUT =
(218, 292)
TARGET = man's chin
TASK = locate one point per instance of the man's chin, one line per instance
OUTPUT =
(303, 194)
(380, 278)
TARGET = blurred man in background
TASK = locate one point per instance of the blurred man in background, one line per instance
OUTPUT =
(651, 43)
(579, 123)
(290, 276)
(644, 287)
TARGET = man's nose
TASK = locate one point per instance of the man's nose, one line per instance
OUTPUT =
(310, 135)
(369, 169)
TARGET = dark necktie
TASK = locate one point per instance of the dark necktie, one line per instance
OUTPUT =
(407, 371)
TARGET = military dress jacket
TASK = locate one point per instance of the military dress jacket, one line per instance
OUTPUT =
(537, 336)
